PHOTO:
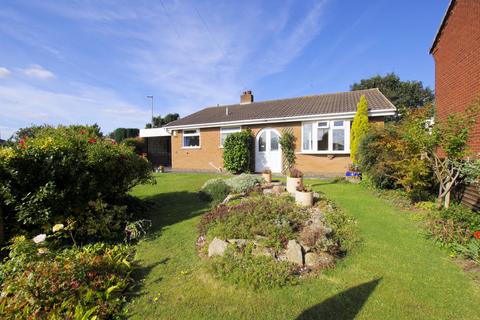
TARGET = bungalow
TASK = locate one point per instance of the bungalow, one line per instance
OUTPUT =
(320, 123)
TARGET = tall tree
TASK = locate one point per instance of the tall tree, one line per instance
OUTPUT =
(160, 122)
(404, 95)
(359, 128)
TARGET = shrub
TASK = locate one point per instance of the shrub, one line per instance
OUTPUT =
(68, 172)
(214, 190)
(40, 282)
(137, 144)
(124, 133)
(244, 182)
(287, 142)
(359, 128)
(236, 151)
(244, 270)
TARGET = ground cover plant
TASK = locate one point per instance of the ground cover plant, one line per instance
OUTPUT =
(42, 281)
(271, 240)
(375, 281)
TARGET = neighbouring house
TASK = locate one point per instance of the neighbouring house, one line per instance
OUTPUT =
(320, 123)
(456, 51)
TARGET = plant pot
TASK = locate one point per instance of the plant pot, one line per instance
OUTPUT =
(304, 199)
(293, 183)
(267, 177)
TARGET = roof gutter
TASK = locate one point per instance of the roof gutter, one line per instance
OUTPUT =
(342, 115)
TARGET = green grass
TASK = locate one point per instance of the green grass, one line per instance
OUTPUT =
(395, 274)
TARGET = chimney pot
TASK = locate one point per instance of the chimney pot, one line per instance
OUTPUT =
(246, 97)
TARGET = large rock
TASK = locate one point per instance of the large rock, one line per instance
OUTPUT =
(262, 251)
(294, 252)
(217, 247)
(318, 260)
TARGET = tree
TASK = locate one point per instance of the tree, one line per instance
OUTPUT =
(403, 94)
(359, 128)
(121, 134)
(445, 145)
(160, 122)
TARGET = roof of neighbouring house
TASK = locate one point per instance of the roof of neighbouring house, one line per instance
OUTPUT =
(442, 25)
(318, 105)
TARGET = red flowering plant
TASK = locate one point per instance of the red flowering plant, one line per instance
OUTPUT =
(476, 234)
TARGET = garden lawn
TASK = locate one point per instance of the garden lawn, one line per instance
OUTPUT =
(395, 274)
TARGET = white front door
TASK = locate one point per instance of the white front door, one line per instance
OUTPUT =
(268, 154)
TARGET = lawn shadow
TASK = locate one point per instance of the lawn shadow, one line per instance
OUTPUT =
(342, 306)
(173, 207)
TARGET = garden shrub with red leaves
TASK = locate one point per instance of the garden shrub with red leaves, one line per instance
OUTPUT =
(38, 282)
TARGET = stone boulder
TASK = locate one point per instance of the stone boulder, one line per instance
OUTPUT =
(262, 251)
(217, 247)
(294, 252)
(318, 260)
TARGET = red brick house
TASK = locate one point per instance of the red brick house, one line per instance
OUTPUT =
(320, 123)
(456, 51)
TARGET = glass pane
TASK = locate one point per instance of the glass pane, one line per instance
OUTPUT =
(273, 141)
(191, 141)
(338, 123)
(262, 142)
(189, 131)
(323, 124)
(322, 139)
(307, 136)
(338, 139)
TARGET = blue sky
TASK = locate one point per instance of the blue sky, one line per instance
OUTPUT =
(64, 62)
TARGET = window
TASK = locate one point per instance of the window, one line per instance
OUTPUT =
(329, 136)
(262, 142)
(225, 132)
(191, 138)
(307, 136)
(274, 140)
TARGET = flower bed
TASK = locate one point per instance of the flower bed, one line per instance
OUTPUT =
(266, 241)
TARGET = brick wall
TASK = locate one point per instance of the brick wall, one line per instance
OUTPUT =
(209, 155)
(457, 63)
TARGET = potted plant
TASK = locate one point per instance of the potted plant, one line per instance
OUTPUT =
(161, 169)
(353, 174)
(294, 180)
(267, 175)
(304, 196)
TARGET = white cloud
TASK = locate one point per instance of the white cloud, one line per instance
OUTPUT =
(4, 72)
(22, 105)
(38, 72)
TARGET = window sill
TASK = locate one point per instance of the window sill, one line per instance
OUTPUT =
(323, 152)
(190, 148)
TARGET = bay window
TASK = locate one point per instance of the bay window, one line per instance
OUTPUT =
(191, 138)
(225, 132)
(330, 136)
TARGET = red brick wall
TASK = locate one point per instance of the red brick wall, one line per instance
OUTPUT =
(457, 63)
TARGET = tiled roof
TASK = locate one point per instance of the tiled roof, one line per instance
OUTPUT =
(294, 107)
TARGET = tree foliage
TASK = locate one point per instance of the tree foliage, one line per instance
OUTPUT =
(359, 128)
(287, 142)
(121, 134)
(160, 122)
(237, 151)
(403, 94)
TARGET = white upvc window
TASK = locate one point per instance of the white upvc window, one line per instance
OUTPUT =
(326, 136)
(226, 131)
(191, 138)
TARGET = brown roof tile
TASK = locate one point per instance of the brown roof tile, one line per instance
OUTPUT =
(293, 107)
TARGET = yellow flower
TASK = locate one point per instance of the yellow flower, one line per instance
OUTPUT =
(7, 153)
(42, 250)
(58, 227)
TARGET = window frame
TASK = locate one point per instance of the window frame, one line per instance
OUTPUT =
(235, 129)
(194, 134)
(330, 126)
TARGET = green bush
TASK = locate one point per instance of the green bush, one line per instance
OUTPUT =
(244, 270)
(62, 172)
(244, 182)
(214, 190)
(237, 151)
(41, 282)
(137, 144)
(121, 134)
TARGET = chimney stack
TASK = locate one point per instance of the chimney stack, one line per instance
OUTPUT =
(246, 97)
